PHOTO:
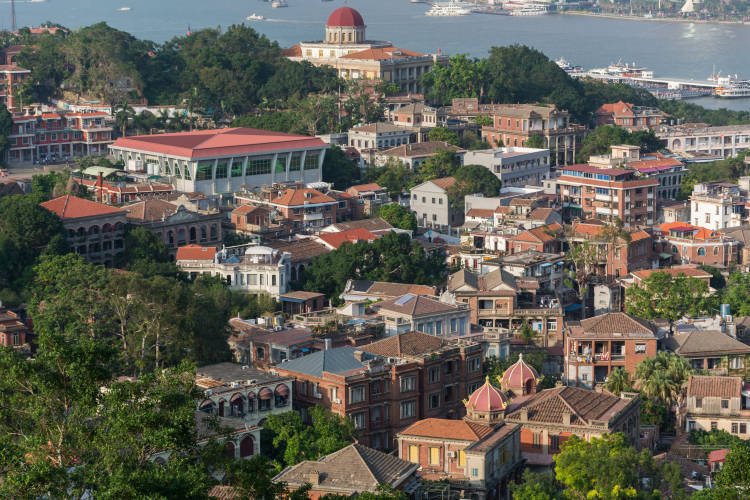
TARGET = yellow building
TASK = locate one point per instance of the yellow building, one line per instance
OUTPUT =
(347, 49)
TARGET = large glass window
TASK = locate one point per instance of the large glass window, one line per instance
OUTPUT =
(237, 164)
(311, 161)
(204, 171)
(296, 162)
(280, 167)
(258, 166)
(221, 169)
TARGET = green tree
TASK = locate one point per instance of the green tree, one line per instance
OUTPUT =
(535, 486)
(442, 134)
(279, 121)
(253, 478)
(6, 127)
(294, 441)
(733, 480)
(737, 293)
(393, 258)
(535, 141)
(618, 381)
(584, 258)
(608, 468)
(662, 295)
(398, 216)
(48, 70)
(123, 114)
(471, 179)
(339, 170)
(443, 163)
(461, 77)
(663, 376)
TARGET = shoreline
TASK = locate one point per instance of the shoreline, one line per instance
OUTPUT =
(640, 18)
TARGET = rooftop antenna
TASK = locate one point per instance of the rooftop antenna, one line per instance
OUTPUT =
(12, 15)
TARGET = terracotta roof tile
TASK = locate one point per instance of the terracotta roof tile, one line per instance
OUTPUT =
(361, 188)
(704, 342)
(444, 182)
(298, 197)
(382, 53)
(420, 149)
(150, 210)
(335, 240)
(706, 386)
(687, 270)
(584, 406)
(195, 252)
(73, 207)
(614, 323)
(415, 305)
(484, 213)
(451, 429)
(301, 250)
(405, 345)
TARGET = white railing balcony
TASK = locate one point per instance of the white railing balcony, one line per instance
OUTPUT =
(317, 216)
(605, 197)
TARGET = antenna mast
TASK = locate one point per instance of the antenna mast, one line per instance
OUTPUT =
(12, 15)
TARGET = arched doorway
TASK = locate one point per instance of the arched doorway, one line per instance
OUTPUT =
(247, 447)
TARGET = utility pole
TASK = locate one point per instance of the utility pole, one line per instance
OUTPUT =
(12, 16)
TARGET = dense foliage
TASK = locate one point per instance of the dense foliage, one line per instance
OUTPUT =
(535, 486)
(604, 137)
(398, 216)
(294, 441)
(733, 480)
(6, 126)
(729, 170)
(219, 72)
(394, 258)
(715, 438)
(662, 377)
(609, 468)
(339, 170)
(471, 179)
(662, 295)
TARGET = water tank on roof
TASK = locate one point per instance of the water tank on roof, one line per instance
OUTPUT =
(724, 310)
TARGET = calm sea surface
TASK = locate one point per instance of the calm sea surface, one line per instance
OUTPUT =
(683, 50)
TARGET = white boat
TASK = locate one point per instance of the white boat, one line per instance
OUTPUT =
(733, 91)
(529, 10)
(36, 1)
(277, 4)
(255, 17)
(449, 9)
(124, 9)
(569, 68)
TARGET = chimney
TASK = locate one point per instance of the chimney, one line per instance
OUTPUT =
(524, 414)
(566, 418)
(359, 355)
(599, 387)
(313, 477)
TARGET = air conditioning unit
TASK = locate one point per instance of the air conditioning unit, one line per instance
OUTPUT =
(234, 384)
(337, 401)
(451, 454)
(318, 395)
(208, 392)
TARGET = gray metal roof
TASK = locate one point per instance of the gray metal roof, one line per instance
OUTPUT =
(337, 360)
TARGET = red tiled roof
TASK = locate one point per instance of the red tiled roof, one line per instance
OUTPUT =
(210, 143)
(361, 188)
(382, 53)
(487, 398)
(73, 207)
(518, 374)
(484, 213)
(444, 182)
(706, 386)
(615, 108)
(718, 455)
(447, 429)
(596, 170)
(195, 252)
(687, 270)
(659, 162)
(293, 51)
(298, 197)
(353, 235)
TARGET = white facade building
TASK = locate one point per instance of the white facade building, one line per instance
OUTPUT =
(514, 166)
(717, 205)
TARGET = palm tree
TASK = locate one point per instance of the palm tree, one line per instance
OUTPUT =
(618, 381)
(663, 376)
(584, 259)
(123, 113)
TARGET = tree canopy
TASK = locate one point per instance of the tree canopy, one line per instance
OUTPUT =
(393, 258)
(662, 295)
(471, 179)
(604, 137)
(398, 216)
(661, 377)
(339, 170)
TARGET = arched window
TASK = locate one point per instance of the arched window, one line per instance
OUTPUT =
(207, 406)
(281, 395)
(716, 250)
(181, 236)
(701, 251)
(222, 402)
(237, 405)
(247, 447)
(192, 235)
(204, 237)
(229, 449)
(170, 238)
(214, 232)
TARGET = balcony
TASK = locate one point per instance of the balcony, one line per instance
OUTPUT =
(313, 216)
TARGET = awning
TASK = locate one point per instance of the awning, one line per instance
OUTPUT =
(236, 397)
(572, 307)
(291, 299)
(282, 390)
(265, 393)
(545, 264)
(665, 255)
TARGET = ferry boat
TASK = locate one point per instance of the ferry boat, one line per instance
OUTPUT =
(569, 68)
(734, 91)
(255, 17)
(449, 9)
(277, 4)
(123, 9)
(529, 10)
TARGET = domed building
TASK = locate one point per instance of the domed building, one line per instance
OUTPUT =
(347, 49)
(520, 379)
(486, 405)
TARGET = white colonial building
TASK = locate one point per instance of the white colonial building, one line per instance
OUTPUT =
(514, 166)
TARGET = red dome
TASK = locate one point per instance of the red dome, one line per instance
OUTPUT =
(487, 398)
(520, 376)
(345, 16)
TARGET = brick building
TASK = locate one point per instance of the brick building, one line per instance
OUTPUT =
(544, 239)
(13, 331)
(304, 209)
(94, 230)
(390, 384)
(424, 314)
(177, 225)
(629, 116)
(713, 351)
(367, 199)
(11, 76)
(596, 346)
(514, 124)
(499, 302)
(37, 137)
(689, 244)
(605, 193)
